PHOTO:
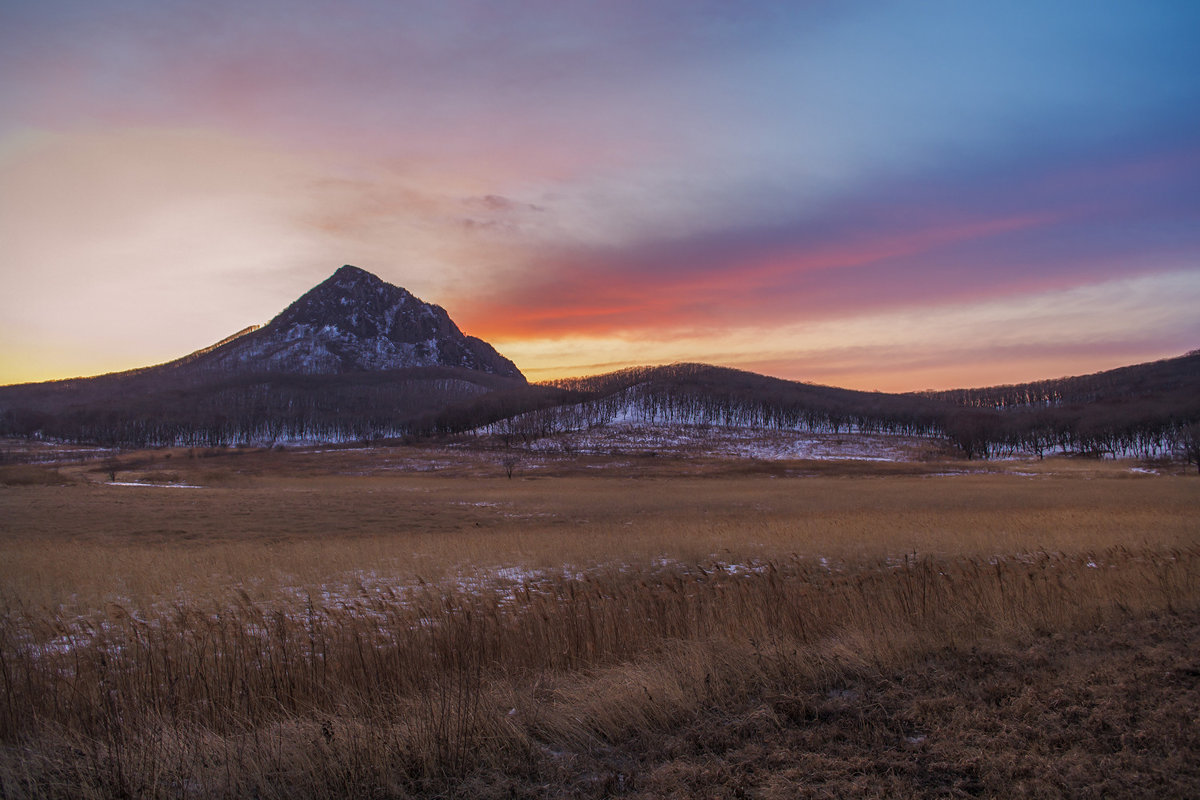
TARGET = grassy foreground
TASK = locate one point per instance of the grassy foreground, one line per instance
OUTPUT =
(318, 635)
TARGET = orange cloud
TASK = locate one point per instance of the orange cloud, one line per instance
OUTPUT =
(590, 296)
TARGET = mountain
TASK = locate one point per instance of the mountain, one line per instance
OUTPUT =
(353, 357)
(352, 322)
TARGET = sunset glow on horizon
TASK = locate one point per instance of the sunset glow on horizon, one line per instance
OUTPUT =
(892, 196)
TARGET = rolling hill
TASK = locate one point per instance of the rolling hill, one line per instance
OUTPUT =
(358, 359)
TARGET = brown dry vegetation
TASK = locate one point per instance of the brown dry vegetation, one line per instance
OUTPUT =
(292, 630)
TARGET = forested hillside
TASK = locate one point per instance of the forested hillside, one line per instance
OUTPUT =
(1143, 410)
(146, 410)
(1148, 410)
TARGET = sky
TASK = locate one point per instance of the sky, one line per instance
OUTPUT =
(877, 195)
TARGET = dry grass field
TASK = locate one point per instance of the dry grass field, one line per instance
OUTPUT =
(406, 621)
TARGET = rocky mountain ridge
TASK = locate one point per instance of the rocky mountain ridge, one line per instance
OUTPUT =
(353, 322)
(353, 358)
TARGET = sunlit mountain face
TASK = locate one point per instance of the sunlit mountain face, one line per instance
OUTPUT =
(890, 196)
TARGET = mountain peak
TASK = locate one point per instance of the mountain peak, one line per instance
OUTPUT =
(350, 274)
(351, 299)
(355, 321)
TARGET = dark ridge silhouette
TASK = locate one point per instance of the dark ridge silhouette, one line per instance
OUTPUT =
(1147, 410)
(352, 358)
(1166, 377)
(356, 358)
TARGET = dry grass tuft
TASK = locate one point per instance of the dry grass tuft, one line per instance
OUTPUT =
(32, 475)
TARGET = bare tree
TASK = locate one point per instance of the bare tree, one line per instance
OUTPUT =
(509, 463)
(110, 466)
(1190, 439)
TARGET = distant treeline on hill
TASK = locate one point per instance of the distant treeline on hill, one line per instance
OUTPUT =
(1145, 410)
(1142, 410)
(144, 410)
(707, 395)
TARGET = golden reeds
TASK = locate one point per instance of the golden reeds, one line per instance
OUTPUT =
(440, 682)
(400, 664)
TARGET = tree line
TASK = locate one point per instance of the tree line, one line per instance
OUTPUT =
(251, 409)
(1147, 410)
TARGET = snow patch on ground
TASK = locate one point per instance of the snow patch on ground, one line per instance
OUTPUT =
(631, 438)
(154, 485)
